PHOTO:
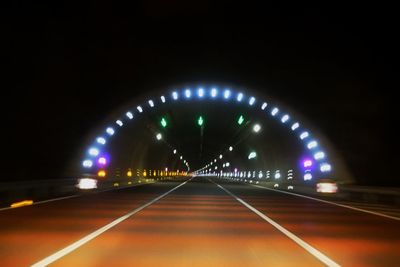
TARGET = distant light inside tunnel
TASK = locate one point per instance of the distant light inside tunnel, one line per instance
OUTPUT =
(312, 144)
(252, 155)
(175, 95)
(240, 120)
(159, 136)
(325, 167)
(227, 94)
(252, 101)
(87, 163)
(256, 128)
(151, 103)
(220, 156)
(285, 118)
(87, 183)
(101, 173)
(101, 140)
(102, 161)
(307, 163)
(200, 121)
(174, 151)
(295, 126)
(129, 173)
(181, 157)
(264, 105)
(214, 92)
(239, 97)
(110, 131)
(277, 175)
(93, 151)
(319, 155)
(200, 92)
(188, 93)
(307, 176)
(162, 99)
(163, 122)
(139, 108)
(230, 148)
(274, 111)
(129, 115)
(119, 122)
(304, 135)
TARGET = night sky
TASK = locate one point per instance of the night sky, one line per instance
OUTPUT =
(69, 66)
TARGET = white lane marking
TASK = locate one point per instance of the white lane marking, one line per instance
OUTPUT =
(333, 203)
(72, 196)
(61, 253)
(313, 251)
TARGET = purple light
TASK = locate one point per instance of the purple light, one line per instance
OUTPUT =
(102, 161)
(307, 163)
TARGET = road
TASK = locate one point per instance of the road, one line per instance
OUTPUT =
(197, 222)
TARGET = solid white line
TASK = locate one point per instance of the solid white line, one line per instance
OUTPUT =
(61, 253)
(332, 203)
(313, 251)
(72, 196)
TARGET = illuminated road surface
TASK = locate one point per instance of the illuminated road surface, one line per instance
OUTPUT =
(196, 224)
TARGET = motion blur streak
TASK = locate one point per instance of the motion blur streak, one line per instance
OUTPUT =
(22, 203)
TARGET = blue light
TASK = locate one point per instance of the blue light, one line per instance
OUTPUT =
(200, 92)
(101, 140)
(252, 100)
(214, 92)
(295, 126)
(175, 95)
(304, 135)
(188, 93)
(285, 118)
(87, 163)
(325, 167)
(110, 131)
(312, 144)
(227, 94)
(319, 155)
(274, 111)
(239, 97)
(307, 176)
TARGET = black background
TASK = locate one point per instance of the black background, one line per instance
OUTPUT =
(69, 66)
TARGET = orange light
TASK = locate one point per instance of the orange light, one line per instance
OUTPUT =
(101, 173)
(144, 173)
(22, 203)
(116, 184)
(129, 173)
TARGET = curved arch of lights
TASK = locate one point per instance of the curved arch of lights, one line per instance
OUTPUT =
(95, 153)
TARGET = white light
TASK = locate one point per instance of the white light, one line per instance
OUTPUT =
(200, 92)
(285, 118)
(290, 187)
(159, 136)
(87, 183)
(295, 126)
(110, 131)
(325, 167)
(174, 151)
(264, 105)
(162, 99)
(239, 97)
(129, 115)
(319, 155)
(119, 122)
(227, 164)
(188, 93)
(216, 167)
(256, 128)
(87, 163)
(223, 165)
(312, 144)
(213, 92)
(220, 156)
(230, 148)
(151, 103)
(307, 176)
(252, 155)
(181, 157)
(93, 151)
(274, 111)
(139, 108)
(227, 94)
(260, 175)
(327, 187)
(215, 160)
(304, 135)
(276, 185)
(175, 95)
(277, 175)
(252, 100)
(101, 140)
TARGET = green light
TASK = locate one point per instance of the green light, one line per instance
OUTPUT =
(163, 122)
(240, 120)
(200, 121)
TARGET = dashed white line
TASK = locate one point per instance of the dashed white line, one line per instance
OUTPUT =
(61, 253)
(332, 203)
(313, 251)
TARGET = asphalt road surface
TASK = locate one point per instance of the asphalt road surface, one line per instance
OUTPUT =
(195, 222)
